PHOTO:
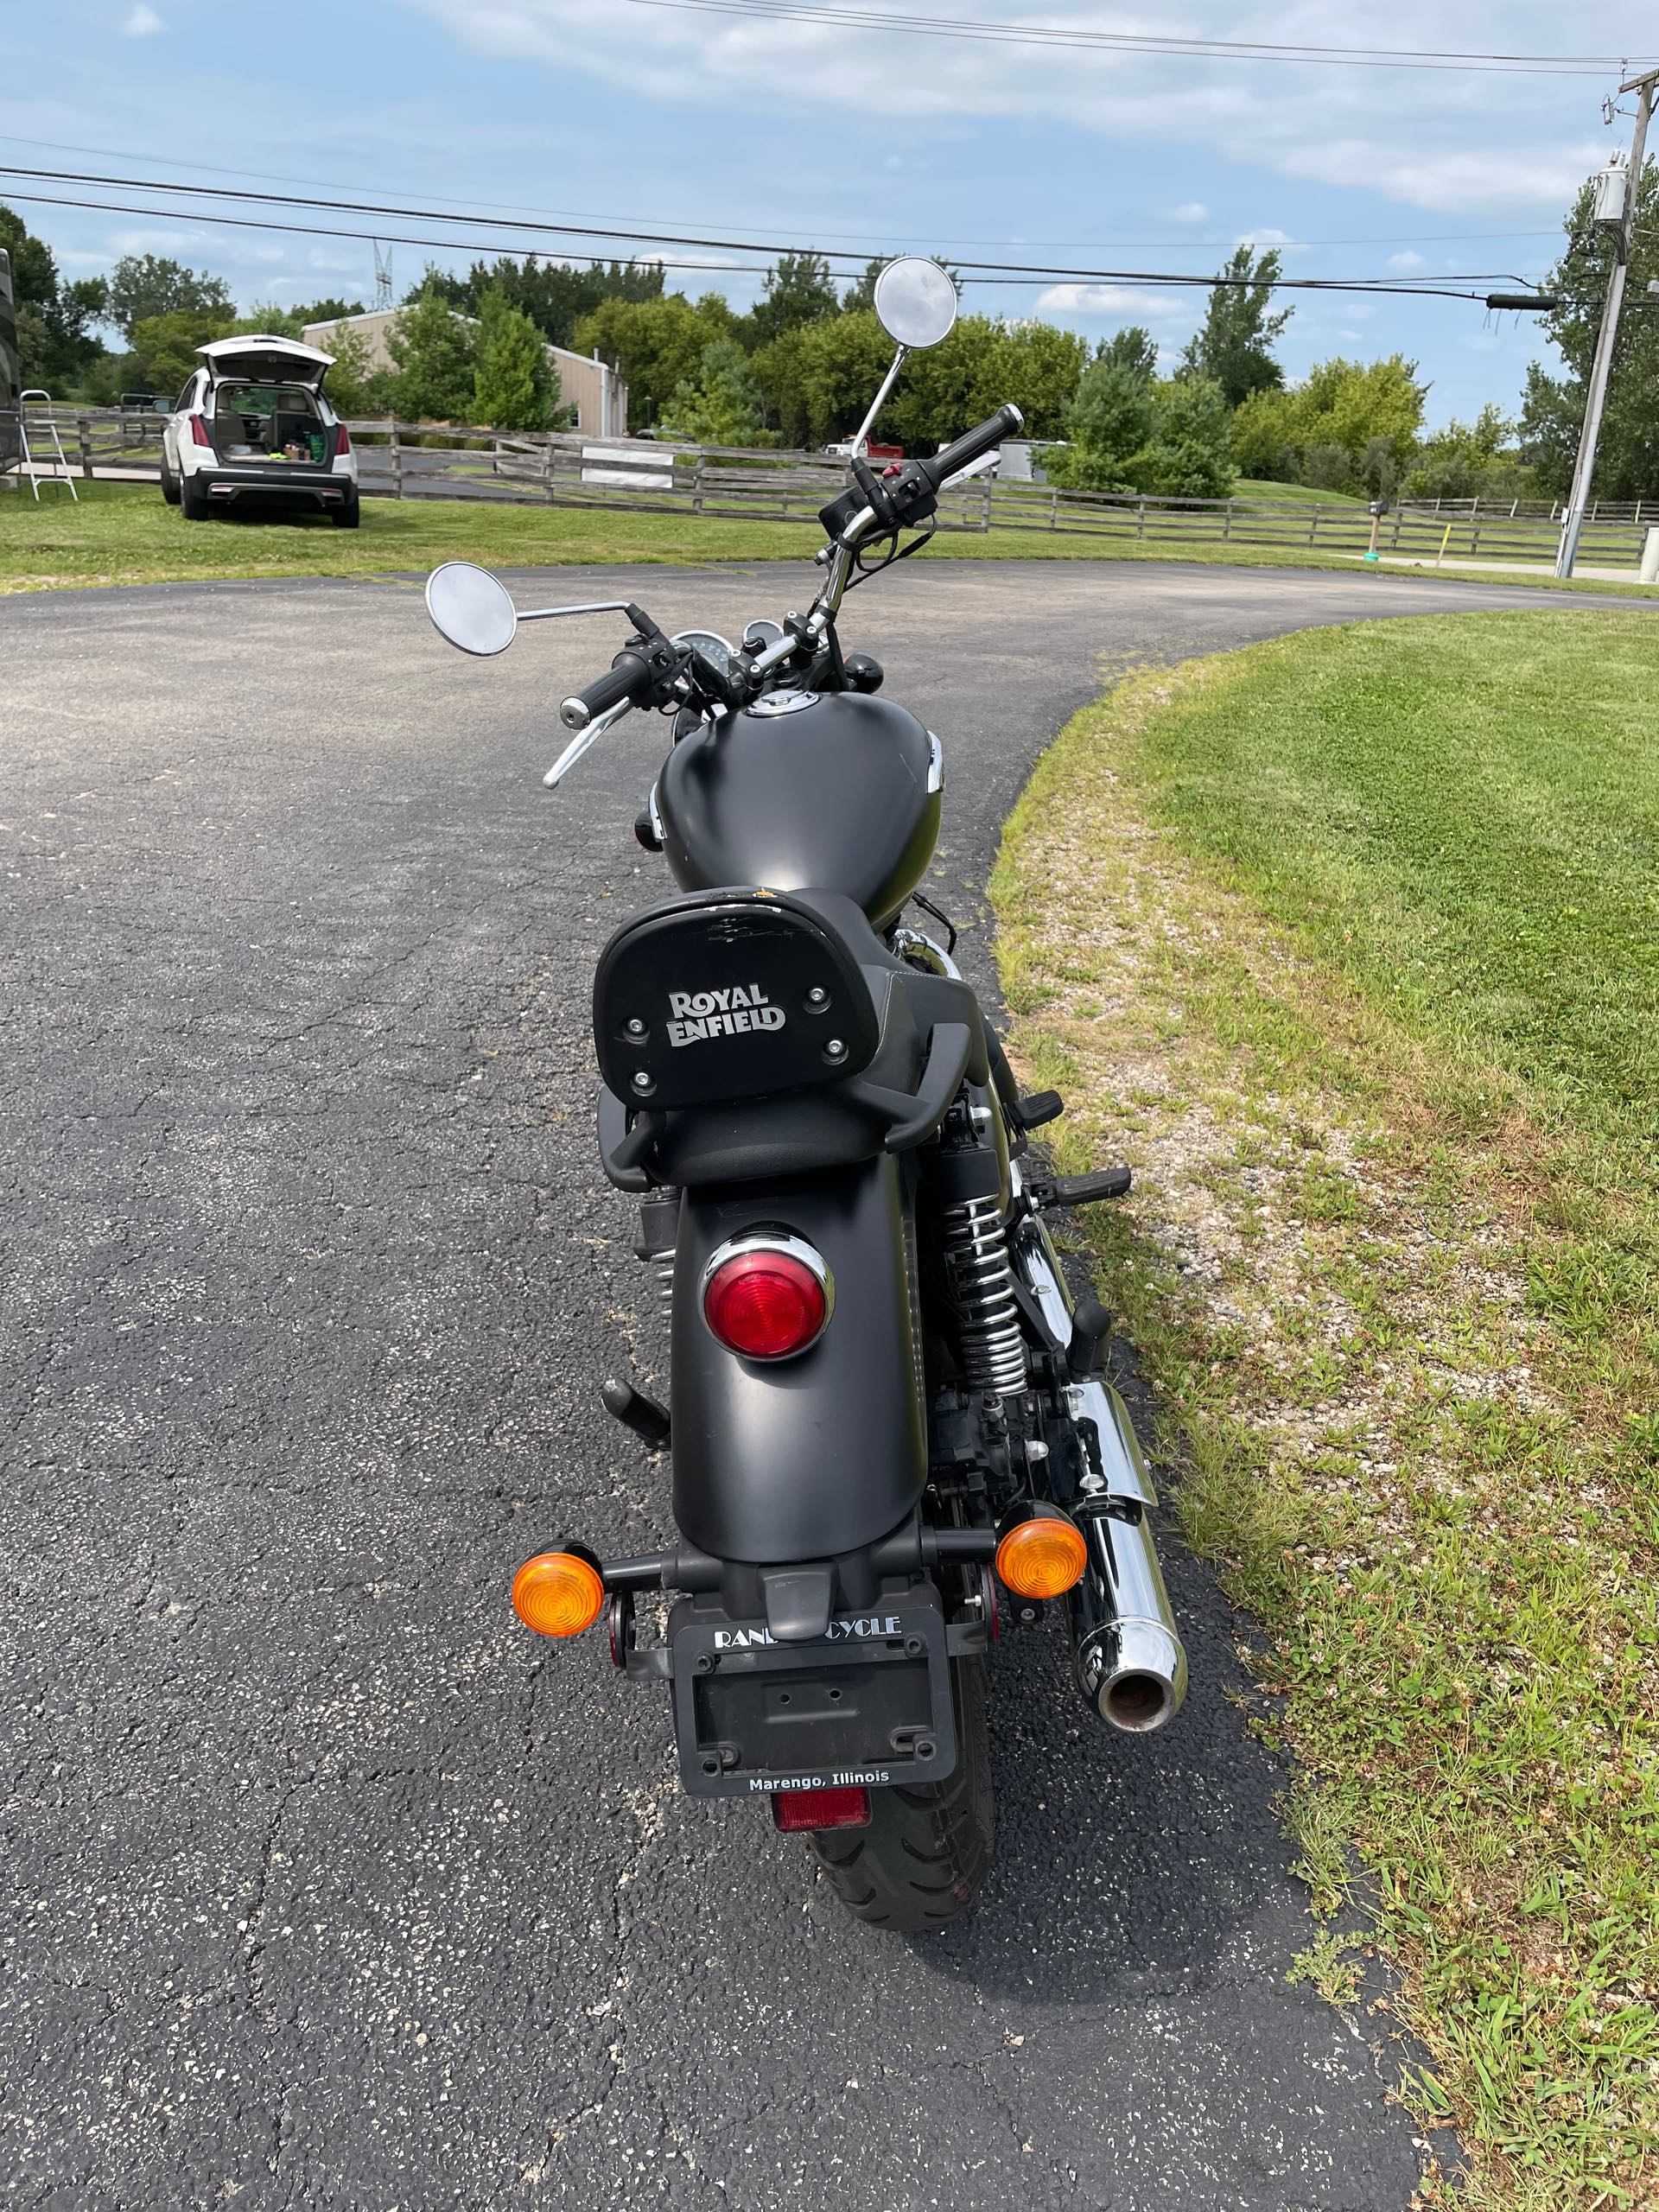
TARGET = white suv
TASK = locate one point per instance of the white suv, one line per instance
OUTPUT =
(252, 426)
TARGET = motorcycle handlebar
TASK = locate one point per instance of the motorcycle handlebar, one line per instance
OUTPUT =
(973, 445)
(628, 677)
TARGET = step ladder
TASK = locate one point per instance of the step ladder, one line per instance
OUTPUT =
(57, 451)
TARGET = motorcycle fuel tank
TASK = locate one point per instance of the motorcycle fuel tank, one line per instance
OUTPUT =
(805, 791)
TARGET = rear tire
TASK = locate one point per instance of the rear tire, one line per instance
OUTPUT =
(192, 504)
(169, 482)
(925, 1855)
(348, 515)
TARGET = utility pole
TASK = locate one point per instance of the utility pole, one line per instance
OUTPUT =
(1606, 337)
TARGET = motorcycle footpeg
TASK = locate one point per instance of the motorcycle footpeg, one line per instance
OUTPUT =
(1048, 1192)
(649, 1422)
(1041, 1108)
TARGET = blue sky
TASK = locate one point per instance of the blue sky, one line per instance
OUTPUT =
(624, 111)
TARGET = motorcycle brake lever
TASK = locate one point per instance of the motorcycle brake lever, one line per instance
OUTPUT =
(580, 743)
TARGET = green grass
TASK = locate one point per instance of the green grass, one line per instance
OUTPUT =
(125, 534)
(1264, 490)
(1350, 943)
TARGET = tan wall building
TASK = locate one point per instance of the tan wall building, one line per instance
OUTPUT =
(599, 395)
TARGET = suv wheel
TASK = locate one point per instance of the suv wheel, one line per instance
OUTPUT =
(169, 482)
(192, 501)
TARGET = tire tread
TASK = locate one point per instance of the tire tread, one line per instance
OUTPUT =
(887, 1875)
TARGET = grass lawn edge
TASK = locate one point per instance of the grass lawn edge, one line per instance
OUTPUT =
(1301, 1152)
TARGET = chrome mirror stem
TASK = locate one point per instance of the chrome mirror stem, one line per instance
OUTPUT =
(880, 401)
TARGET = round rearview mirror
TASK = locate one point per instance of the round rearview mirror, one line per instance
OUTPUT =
(472, 608)
(916, 303)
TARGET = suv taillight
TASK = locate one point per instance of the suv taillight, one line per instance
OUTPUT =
(198, 431)
(342, 439)
(767, 1296)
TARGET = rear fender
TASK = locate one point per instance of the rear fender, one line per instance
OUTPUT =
(811, 1457)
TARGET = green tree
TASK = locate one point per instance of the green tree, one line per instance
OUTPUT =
(1166, 436)
(434, 349)
(56, 345)
(1467, 460)
(1345, 409)
(144, 285)
(1265, 439)
(164, 347)
(1234, 345)
(1133, 348)
(305, 314)
(861, 293)
(842, 362)
(799, 289)
(355, 388)
(554, 295)
(513, 386)
(1107, 424)
(984, 362)
(1187, 456)
(267, 321)
(723, 405)
(657, 345)
(818, 379)
(1552, 414)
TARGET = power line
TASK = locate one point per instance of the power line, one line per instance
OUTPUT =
(809, 12)
(518, 209)
(974, 271)
(987, 273)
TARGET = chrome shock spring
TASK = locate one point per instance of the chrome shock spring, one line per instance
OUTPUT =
(663, 1267)
(977, 1254)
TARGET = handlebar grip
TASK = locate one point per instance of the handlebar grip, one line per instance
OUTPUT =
(973, 444)
(629, 677)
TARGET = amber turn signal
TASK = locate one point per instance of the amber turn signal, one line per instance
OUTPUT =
(1042, 1557)
(557, 1593)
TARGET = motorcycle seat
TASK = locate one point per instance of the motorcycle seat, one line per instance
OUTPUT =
(746, 1033)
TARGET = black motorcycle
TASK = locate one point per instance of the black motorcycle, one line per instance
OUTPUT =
(891, 1438)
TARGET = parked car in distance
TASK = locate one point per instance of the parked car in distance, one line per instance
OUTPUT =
(874, 451)
(252, 428)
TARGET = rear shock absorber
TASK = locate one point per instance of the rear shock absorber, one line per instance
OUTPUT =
(976, 1253)
(659, 1227)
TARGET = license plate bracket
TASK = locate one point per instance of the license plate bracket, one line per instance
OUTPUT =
(870, 1704)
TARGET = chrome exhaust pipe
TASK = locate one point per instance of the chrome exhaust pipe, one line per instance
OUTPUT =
(1130, 1663)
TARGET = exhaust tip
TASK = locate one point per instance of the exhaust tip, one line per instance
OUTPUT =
(1138, 1703)
(1133, 1674)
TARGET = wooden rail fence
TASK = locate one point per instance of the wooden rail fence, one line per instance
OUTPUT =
(425, 461)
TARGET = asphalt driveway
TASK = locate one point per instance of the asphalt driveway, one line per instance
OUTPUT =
(327, 1885)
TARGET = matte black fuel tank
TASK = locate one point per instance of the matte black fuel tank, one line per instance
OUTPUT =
(839, 793)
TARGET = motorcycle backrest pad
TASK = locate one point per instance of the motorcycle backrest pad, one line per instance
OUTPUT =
(726, 995)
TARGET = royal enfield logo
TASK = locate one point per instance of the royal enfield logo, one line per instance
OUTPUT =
(731, 1012)
(753, 1639)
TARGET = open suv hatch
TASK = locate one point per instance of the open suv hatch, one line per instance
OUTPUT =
(253, 429)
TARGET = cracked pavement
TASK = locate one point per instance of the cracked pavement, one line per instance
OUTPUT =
(328, 1884)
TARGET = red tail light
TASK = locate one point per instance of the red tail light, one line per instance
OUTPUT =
(342, 439)
(793, 1811)
(199, 432)
(767, 1297)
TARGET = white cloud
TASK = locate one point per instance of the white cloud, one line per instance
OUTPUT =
(1403, 264)
(1267, 236)
(1190, 211)
(1475, 146)
(1121, 300)
(141, 23)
